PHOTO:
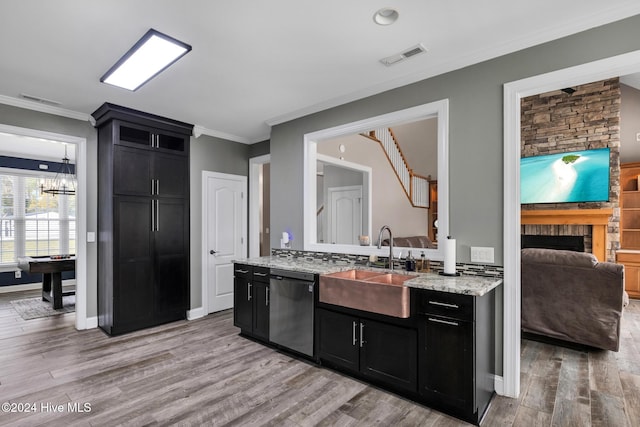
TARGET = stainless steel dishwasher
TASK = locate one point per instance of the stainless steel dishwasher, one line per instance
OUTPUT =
(291, 311)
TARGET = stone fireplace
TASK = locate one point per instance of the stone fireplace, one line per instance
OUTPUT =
(566, 243)
(595, 220)
(559, 122)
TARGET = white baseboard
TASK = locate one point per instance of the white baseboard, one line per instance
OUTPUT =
(91, 323)
(195, 313)
(18, 288)
(32, 286)
(499, 384)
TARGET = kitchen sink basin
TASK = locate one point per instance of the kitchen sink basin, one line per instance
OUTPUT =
(391, 278)
(355, 274)
(370, 291)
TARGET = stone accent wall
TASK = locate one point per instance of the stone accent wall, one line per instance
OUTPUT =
(557, 122)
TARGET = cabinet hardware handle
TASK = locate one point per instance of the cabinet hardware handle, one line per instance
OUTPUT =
(266, 300)
(158, 187)
(361, 334)
(260, 274)
(242, 271)
(157, 215)
(153, 187)
(355, 341)
(446, 322)
(248, 291)
(444, 304)
(153, 216)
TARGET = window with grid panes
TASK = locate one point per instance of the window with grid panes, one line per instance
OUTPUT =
(34, 223)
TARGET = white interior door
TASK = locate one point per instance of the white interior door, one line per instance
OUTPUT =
(345, 214)
(225, 217)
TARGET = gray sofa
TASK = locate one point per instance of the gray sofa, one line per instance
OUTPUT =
(571, 296)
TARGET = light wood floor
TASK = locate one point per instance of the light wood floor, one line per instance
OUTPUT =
(202, 373)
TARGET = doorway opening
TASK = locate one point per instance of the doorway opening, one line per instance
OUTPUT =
(80, 148)
(259, 206)
(620, 65)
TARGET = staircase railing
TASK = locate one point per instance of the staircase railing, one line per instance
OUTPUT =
(416, 187)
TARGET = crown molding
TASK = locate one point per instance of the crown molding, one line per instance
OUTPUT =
(201, 130)
(44, 108)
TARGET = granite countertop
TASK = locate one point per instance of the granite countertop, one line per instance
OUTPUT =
(466, 284)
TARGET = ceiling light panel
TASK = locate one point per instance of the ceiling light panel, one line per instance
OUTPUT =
(153, 53)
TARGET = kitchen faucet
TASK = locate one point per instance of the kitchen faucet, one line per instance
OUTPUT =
(390, 244)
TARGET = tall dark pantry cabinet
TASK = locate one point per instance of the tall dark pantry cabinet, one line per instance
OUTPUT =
(143, 219)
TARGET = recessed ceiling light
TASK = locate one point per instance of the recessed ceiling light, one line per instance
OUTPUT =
(385, 16)
(153, 53)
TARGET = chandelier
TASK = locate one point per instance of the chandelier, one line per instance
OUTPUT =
(65, 181)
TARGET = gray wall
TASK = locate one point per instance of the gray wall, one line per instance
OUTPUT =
(213, 155)
(46, 122)
(475, 131)
(259, 149)
(629, 124)
(475, 171)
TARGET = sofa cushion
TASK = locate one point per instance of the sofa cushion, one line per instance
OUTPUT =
(558, 257)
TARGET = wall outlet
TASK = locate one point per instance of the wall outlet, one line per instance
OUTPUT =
(482, 254)
(18, 274)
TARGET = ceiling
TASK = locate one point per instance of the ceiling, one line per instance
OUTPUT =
(257, 63)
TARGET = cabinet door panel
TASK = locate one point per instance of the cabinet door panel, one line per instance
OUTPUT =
(171, 173)
(132, 225)
(447, 362)
(167, 141)
(133, 135)
(171, 290)
(133, 294)
(132, 171)
(171, 223)
(338, 339)
(389, 354)
(242, 304)
(133, 287)
(261, 310)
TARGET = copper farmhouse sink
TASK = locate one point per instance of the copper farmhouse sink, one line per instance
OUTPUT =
(370, 291)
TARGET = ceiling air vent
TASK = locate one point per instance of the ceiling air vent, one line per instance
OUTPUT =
(408, 53)
(38, 99)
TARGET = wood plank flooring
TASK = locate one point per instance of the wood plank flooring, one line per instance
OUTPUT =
(202, 373)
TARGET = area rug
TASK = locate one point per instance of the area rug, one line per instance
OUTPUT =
(34, 308)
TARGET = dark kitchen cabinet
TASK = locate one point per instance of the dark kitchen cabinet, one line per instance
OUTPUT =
(376, 350)
(242, 302)
(338, 339)
(143, 219)
(456, 352)
(251, 300)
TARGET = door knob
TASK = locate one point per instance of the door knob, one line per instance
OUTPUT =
(212, 252)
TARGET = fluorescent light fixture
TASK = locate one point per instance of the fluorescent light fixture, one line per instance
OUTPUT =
(146, 59)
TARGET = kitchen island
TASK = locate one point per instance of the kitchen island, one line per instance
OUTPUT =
(439, 352)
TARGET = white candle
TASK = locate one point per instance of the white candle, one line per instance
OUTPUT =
(449, 255)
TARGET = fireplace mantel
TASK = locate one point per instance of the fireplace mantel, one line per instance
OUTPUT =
(597, 218)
